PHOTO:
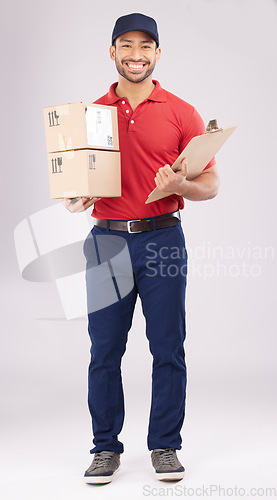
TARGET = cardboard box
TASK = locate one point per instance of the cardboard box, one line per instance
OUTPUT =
(84, 172)
(81, 126)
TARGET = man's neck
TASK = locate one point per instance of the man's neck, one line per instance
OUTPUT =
(134, 92)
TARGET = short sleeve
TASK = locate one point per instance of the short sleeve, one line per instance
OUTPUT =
(194, 127)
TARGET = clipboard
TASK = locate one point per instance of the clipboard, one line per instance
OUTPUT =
(199, 152)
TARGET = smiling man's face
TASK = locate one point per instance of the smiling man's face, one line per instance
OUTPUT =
(135, 55)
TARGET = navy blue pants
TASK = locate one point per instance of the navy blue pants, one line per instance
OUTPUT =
(159, 270)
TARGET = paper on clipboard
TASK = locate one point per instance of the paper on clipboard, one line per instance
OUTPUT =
(199, 152)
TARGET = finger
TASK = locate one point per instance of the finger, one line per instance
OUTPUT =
(160, 183)
(184, 167)
(89, 202)
(74, 205)
(160, 180)
(70, 203)
(166, 173)
(67, 201)
(167, 169)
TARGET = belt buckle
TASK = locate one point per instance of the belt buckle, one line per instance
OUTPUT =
(129, 227)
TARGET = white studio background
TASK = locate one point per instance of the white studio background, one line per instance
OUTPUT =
(220, 56)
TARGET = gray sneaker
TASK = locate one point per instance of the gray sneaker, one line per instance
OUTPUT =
(103, 467)
(167, 465)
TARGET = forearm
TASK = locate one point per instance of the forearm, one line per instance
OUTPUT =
(203, 187)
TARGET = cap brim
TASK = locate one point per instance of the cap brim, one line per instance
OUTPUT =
(137, 29)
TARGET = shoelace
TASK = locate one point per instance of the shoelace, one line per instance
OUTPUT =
(166, 456)
(101, 459)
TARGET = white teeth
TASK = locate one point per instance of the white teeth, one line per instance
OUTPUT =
(135, 66)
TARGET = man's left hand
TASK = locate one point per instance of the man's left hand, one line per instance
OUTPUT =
(172, 182)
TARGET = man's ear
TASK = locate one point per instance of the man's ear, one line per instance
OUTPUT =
(112, 52)
(158, 54)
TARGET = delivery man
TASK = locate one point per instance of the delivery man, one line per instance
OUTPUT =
(154, 127)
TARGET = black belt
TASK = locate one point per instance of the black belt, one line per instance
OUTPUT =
(140, 225)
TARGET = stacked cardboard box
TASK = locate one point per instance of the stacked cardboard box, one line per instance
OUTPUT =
(83, 150)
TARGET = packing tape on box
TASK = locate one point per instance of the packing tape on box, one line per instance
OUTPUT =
(90, 272)
(63, 109)
(64, 144)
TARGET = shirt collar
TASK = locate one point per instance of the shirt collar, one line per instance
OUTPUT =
(158, 94)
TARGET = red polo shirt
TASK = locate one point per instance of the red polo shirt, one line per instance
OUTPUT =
(151, 136)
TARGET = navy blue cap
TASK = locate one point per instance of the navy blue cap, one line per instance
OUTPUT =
(136, 22)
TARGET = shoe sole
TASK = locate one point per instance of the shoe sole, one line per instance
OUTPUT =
(99, 479)
(170, 476)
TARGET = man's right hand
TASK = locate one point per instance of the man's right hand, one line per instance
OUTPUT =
(77, 205)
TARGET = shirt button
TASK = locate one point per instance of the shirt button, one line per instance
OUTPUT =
(123, 102)
(132, 121)
(127, 111)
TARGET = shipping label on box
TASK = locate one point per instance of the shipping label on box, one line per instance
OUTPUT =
(81, 126)
(84, 173)
(99, 127)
